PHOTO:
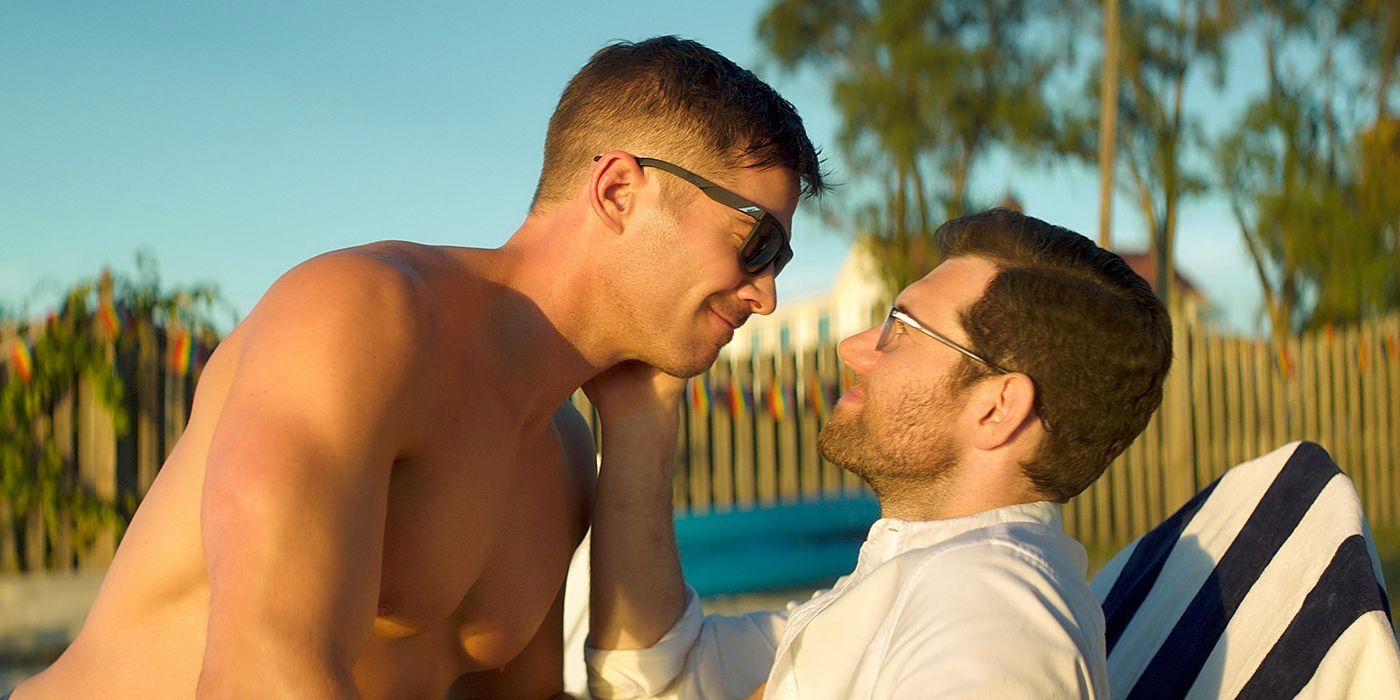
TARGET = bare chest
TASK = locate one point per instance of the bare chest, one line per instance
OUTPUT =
(478, 537)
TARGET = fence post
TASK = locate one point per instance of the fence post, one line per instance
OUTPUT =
(1177, 429)
(722, 429)
(97, 468)
(146, 386)
(64, 551)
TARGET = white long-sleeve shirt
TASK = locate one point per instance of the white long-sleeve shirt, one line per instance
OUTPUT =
(990, 605)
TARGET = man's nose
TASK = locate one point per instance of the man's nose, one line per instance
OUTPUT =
(760, 292)
(858, 351)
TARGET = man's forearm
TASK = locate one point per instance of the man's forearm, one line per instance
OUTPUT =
(637, 589)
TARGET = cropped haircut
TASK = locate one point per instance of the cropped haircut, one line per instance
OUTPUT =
(1074, 317)
(676, 100)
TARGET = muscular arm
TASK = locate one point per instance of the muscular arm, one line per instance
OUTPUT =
(637, 590)
(294, 499)
(647, 639)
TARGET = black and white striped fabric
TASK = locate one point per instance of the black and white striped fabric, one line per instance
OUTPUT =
(1265, 585)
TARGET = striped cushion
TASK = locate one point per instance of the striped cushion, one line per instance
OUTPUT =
(1265, 585)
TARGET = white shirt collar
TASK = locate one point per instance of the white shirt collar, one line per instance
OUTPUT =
(890, 537)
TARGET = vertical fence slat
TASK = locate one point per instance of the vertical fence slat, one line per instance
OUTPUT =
(787, 429)
(700, 464)
(1234, 406)
(721, 420)
(1391, 418)
(745, 491)
(65, 436)
(97, 468)
(146, 384)
(1219, 394)
(1308, 382)
(766, 436)
(829, 370)
(1334, 410)
(810, 464)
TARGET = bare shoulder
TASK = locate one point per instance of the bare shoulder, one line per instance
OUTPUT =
(580, 458)
(364, 280)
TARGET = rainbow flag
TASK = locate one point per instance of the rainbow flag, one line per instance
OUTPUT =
(1285, 362)
(181, 352)
(699, 391)
(110, 319)
(22, 358)
(738, 400)
(777, 399)
(816, 397)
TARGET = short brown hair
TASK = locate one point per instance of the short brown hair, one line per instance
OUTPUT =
(1075, 318)
(673, 99)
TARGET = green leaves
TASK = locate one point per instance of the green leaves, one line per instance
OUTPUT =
(924, 88)
(70, 344)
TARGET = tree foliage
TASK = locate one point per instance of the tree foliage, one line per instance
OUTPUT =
(73, 344)
(1312, 188)
(924, 89)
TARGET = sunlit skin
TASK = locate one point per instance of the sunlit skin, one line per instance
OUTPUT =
(951, 456)
(378, 492)
(985, 431)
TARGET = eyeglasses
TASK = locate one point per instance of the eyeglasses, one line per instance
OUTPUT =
(887, 332)
(767, 241)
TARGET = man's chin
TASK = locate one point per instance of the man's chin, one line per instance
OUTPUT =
(687, 367)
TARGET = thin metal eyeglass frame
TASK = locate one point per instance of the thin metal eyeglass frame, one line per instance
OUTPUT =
(898, 314)
(729, 199)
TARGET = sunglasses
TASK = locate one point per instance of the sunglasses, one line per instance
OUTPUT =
(767, 242)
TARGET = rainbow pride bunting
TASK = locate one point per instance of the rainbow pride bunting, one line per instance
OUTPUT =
(1284, 362)
(22, 358)
(110, 319)
(181, 352)
(816, 397)
(699, 390)
(777, 400)
(738, 400)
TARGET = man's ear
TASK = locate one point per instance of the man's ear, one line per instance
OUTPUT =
(612, 188)
(1005, 406)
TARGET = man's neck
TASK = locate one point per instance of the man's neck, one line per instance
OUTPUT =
(967, 491)
(549, 333)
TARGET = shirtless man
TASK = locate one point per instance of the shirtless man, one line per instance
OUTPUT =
(381, 483)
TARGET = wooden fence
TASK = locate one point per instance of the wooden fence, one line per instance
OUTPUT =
(750, 428)
(158, 372)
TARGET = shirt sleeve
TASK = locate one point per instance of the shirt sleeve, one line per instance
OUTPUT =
(699, 657)
(1019, 632)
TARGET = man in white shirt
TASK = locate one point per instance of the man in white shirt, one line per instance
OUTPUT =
(1001, 384)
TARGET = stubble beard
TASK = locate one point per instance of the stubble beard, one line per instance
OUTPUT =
(916, 450)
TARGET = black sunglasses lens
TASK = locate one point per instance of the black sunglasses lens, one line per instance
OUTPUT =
(765, 244)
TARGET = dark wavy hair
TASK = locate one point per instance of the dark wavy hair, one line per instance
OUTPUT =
(673, 99)
(1075, 318)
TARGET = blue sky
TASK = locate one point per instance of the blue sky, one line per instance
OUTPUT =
(234, 140)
